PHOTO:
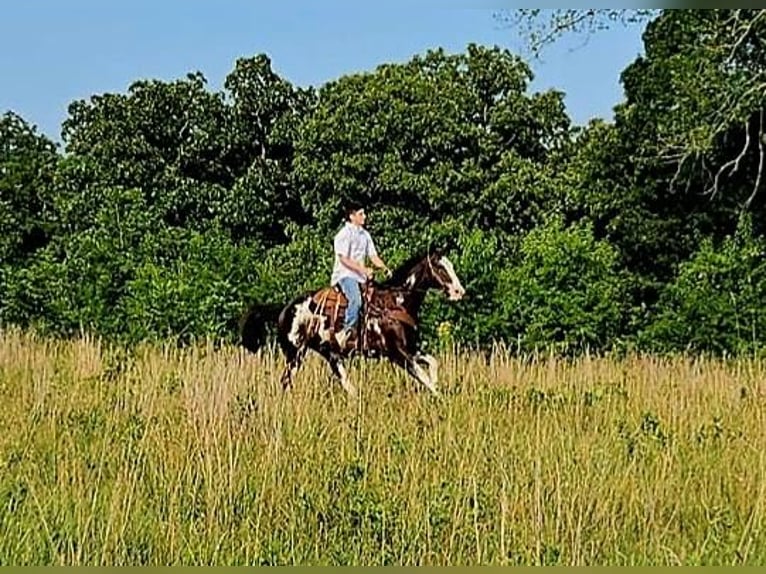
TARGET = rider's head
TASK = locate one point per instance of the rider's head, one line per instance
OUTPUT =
(355, 213)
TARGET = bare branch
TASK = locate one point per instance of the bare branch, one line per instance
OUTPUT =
(706, 170)
(734, 164)
(539, 34)
(679, 168)
(744, 35)
(717, 80)
(760, 162)
(561, 26)
(734, 106)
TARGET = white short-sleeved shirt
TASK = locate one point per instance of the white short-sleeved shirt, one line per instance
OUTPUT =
(356, 243)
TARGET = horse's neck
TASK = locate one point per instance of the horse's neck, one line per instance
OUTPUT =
(388, 297)
(412, 295)
(413, 300)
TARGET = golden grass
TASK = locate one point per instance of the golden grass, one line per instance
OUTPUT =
(164, 456)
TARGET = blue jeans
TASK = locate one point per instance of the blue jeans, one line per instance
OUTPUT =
(353, 292)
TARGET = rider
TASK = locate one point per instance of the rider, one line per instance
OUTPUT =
(353, 245)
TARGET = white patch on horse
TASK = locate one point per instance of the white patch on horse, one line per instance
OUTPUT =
(433, 366)
(400, 299)
(411, 280)
(420, 374)
(301, 318)
(455, 285)
(347, 386)
(325, 334)
(310, 323)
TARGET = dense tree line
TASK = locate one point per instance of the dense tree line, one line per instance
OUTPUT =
(172, 207)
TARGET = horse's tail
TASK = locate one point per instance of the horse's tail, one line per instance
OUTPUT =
(253, 325)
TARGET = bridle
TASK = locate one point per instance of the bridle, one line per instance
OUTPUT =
(441, 284)
(434, 274)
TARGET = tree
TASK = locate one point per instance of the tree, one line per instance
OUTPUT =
(540, 28)
(265, 112)
(432, 138)
(166, 139)
(712, 63)
(709, 77)
(27, 165)
(204, 159)
(715, 303)
(566, 291)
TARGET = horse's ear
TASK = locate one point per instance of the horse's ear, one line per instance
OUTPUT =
(446, 246)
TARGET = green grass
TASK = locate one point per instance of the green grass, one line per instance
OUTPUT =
(195, 456)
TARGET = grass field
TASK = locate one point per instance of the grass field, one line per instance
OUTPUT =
(166, 456)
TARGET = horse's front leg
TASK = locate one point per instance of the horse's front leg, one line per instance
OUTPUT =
(433, 365)
(410, 363)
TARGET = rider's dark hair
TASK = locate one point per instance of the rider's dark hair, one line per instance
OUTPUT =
(352, 207)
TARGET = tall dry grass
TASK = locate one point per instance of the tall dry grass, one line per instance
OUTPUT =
(164, 456)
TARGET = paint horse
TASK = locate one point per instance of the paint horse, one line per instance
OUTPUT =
(388, 326)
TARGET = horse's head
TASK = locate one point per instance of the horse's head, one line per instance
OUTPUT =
(430, 271)
(441, 273)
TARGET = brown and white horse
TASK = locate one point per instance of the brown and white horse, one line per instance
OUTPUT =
(388, 325)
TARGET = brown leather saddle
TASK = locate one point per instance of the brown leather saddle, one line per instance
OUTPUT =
(331, 302)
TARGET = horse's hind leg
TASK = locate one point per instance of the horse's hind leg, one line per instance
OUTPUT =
(294, 359)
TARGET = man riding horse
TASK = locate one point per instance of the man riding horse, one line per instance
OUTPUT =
(324, 320)
(353, 246)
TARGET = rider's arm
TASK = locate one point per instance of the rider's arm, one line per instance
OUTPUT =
(378, 262)
(351, 264)
(372, 253)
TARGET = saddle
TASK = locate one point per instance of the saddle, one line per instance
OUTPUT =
(331, 302)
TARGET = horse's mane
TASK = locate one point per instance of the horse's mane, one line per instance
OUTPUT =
(403, 270)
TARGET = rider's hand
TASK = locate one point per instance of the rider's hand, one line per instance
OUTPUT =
(368, 272)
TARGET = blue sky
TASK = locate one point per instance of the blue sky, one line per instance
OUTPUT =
(53, 52)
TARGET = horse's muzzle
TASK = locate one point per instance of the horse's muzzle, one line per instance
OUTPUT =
(455, 294)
